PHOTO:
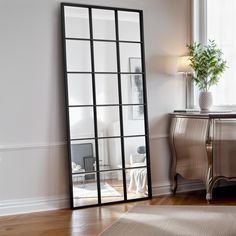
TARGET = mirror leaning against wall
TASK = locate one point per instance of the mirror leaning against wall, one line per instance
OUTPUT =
(106, 105)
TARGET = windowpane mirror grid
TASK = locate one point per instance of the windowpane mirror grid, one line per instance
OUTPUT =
(108, 121)
(85, 192)
(105, 82)
(103, 24)
(112, 189)
(76, 22)
(130, 57)
(106, 89)
(105, 57)
(135, 152)
(78, 56)
(137, 183)
(133, 120)
(81, 122)
(129, 26)
(80, 89)
(110, 154)
(132, 88)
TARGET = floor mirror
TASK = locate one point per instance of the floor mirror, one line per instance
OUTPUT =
(106, 105)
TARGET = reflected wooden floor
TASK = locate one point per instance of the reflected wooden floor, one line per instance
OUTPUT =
(92, 221)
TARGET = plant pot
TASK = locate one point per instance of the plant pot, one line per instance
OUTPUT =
(205, 101)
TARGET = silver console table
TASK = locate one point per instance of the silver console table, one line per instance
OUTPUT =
(203, 147)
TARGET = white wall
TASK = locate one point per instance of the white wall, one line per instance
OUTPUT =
(33, 161)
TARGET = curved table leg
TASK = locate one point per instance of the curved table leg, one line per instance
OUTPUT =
(174, 184)
(209, 177)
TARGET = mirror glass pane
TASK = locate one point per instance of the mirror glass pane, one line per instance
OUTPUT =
(84, 190)
(83, 157)
(108, 121)
(81, 122)
(136, 180)
(78, 56)
(135, 152)
(76, 22)
(110, 154)
(111, 186)
(132, 88)
(103, 24)
(130, 57)
(106, 89)
(105, 57)
(133, 120)
(129, 27)
(80, 89)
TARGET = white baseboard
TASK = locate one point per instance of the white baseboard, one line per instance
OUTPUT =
(164, 189)
(28, 205)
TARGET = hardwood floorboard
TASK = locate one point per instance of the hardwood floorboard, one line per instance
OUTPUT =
(92, 221)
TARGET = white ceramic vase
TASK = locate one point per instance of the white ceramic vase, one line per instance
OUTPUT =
(205, 101)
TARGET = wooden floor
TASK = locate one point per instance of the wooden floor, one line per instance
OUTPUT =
(92, 221)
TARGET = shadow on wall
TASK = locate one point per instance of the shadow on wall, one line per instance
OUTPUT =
(166, 65)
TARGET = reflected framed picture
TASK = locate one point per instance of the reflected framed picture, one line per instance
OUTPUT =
(136, 83)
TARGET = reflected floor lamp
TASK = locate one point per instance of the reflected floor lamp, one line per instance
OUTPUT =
(187, 71)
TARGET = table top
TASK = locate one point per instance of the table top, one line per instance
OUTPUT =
(205, 115)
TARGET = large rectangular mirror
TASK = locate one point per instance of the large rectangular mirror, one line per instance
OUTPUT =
(106, 105)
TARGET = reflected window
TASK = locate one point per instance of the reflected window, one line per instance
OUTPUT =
(106, 89)
(81, 122)
(110, 154)
(105, 57)
(78, 56)
(108, 121)
(80, 89)
(129, 26)
(76, 22)
(103, 24)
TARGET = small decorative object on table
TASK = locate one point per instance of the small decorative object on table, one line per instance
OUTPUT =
(208, 66)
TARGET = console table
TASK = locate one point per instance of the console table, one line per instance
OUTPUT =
(203, 147)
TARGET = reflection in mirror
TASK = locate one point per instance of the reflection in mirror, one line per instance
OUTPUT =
(132, 88)
(105, 57)
(81, 122)
(76, 22)
(135, 152)
(129, 26)
(105, 107)
(83, 157)
(106, 89)
(103, 24)
(111, 186)
(130, 57)
(78, 56)
(84, 191)
(110, 154)
(83, 172)
(136, 180)
(133, 120)
(108, 121)
(80, 89)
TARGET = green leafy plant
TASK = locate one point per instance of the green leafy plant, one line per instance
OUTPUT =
(207, 63)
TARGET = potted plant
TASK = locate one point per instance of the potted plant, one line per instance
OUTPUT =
(208, 66)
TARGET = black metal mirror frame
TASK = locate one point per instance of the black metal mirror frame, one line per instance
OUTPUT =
(94, 106)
